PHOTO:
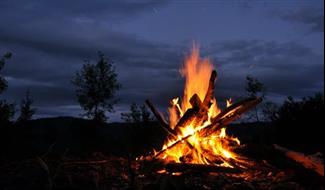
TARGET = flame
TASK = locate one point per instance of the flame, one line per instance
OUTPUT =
(205, 149)
(229, 102)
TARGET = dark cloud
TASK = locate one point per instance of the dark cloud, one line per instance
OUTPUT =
(82, 10)
(313, 18)
(285, 68)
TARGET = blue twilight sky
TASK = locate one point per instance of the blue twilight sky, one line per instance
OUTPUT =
(280, 42)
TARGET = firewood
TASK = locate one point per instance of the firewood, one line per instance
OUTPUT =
(163, 123)
(230, 115)
(196, 101)
(202, 114)
(176, 167)
(187, 118)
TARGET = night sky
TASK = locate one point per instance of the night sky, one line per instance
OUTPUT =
(279, 42)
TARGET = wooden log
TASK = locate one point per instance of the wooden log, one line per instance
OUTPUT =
(176, 167)
(310, 162)
(160, 119)
(231, 114)
(202, 115)
(187, 118)
(195, 101)
(199, 111)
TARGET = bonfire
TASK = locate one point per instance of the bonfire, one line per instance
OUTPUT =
(197, 126)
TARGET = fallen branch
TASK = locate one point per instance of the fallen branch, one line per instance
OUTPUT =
(310, 162)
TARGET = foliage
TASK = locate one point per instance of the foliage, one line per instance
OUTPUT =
(137, 114)
(96, 86)
(26, 110)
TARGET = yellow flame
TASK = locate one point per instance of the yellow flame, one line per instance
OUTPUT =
(229, 102)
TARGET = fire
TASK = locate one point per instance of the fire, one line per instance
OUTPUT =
(197, 148)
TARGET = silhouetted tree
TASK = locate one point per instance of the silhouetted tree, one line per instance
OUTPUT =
(145, 114)
(300, 123)
(270, 111)
(26, 110)
(7, 110)
(134, 116)
(96, 85)
(254, 88)
(137, 114)
(3, 82)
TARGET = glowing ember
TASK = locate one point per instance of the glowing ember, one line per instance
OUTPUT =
(198, 148)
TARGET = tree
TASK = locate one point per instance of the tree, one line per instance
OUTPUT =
(145, 114)
(134, 116)
(137, 114)
(26, 111)
(96, 86)
(3, 81)
(7, 110)
(270, 111)
(300, 123)
(254, 88)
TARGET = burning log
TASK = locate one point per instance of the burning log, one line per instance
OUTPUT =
(176, 167)
(231, 114)
(199, 111)
(196, 101)
(187, 118)
(202, 114)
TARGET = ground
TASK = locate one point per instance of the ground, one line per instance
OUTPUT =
(69, 153)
